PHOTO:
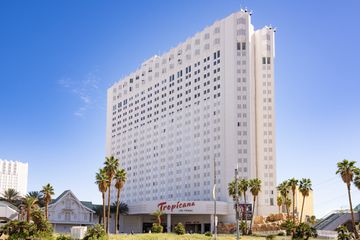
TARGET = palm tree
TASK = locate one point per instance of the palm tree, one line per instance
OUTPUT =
(293, 183)
(120, 178)
(39, 196)
(47, 192)
(243, 186)
(357, 179)
(279, 202)
(255, 188)
(158, 214)
(29, 203)
(287, 205)
(10, 195)
(102, 182)
(347, 170)
(304, 188)
(283, 188)
(123, 210)
(111, 165)
(231, 189)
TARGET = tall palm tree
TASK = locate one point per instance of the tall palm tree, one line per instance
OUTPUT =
(255, 188)
(243, 186)
(304, 188)
(120, 178)
(47, 192)
(283, 188)
(357, 179)
(347, 170)
(111, 165)
(293, 183)
(10, 195)
(102, 183)
(123, 210)
(279, 202)
(287, 202)
(29, 203)
(158, 214)
(232, 191)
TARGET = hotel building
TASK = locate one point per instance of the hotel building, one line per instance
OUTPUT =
(13, 174)
(193, 115)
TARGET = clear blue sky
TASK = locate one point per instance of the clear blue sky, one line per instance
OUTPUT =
(57, 58)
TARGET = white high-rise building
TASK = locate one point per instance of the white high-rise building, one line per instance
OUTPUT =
(208, 100)
(13, 174)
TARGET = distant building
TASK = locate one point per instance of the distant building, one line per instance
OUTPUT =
(13, 174)
(67, 211)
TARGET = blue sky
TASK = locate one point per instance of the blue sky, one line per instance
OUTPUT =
(57, 58)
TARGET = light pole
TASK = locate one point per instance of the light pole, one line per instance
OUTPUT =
(237, 203)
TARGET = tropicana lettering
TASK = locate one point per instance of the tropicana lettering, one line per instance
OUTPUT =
(163, 206)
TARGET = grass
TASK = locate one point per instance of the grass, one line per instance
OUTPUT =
(167, 236)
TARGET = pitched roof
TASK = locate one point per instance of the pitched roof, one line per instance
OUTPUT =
(85, 204)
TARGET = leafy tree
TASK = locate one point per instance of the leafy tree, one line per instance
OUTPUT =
(29, 202)
(158, 214)
(102, 183)
(243, 186)
(111, 166)
(157, 228)
(10, 195)
(47, 192)
(279, 202)
(347, 170)
(255, 188)
(120, 178)
(293, 183)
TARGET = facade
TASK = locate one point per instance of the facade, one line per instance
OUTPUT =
(189, 117)
(13, 174)
(67, 211)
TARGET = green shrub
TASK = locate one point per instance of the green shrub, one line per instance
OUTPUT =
(288, 226)
(63, 237)
(43, 226)
(304, 231)
(17, 230)
(344, 234)
(208, 234)
(179, 229)
(95, 232)
(157, 228)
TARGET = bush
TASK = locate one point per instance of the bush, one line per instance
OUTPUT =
(95, 232)
(179, 229)
(157, 228)
(42, 225)
(304, 231)
(344, 234)
(288, 226)
(208, 234)
(63, 237)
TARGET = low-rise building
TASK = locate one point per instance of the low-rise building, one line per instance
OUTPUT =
(8, 212)
(67, 211)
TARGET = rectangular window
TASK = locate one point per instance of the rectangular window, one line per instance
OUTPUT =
(268, 60)
(243, 46)
(264, 60)
(238, 46)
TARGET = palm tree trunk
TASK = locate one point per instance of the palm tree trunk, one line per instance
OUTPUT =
(108, 216)
(352, 213)
(245, 211)
(104, 217)
(293, 192)
(117, 212)
(302, 209)
(252, 216)
(28, 212)
(46, 210)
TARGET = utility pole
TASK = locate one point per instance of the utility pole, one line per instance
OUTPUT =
(214, 198)
(237, 203)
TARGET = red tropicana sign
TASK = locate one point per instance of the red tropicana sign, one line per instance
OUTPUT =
(163, 206)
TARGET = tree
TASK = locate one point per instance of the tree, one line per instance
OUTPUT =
(243, 186)
(29, 203)
(347, 170)
(120, 178)
(158, 214)
(304, 188)
(47, 192)
(255, 188)
(283, 188)
(357, 179)
(287, 205)
(10, 195)
(39, 196)
(279, 202)
(102, 183)
(293, 183)
(231, 189)
(111, 166)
